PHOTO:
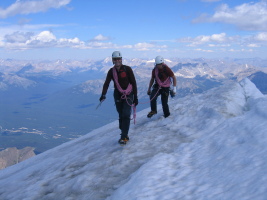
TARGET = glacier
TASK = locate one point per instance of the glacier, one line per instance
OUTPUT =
(213, 146)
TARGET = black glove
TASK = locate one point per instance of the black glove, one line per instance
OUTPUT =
(135, 101)
(102, 98)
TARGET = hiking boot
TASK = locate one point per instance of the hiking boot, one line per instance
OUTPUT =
(123, 140)
(151, 113)
(127, 137)
(166, 115)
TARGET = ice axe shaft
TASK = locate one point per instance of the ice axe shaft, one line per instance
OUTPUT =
(99, 104)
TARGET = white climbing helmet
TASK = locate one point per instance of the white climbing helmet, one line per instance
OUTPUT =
(159, 60)
(116, 54)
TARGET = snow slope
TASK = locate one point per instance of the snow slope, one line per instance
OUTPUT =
(213, 146)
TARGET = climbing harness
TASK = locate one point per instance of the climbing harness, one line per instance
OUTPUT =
(129, 89)
(124, 93)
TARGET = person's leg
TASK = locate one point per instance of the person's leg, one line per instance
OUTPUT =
(126, 116)
(153, 99)
(119, 106)
(164, 101)
(153, 102)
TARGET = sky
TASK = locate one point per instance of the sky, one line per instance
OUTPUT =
(73, 29)
(212, 146)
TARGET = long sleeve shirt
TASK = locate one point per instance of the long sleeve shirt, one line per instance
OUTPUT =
(125, 76)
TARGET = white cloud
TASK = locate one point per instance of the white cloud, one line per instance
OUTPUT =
(100, 45)
(248, 16)
(45, 39)
(100, 37)
(27, 7)
(18, 37)
(261, 37)
(14, 33)
(73, 40)
(258, 40)
(253, 45)
(222, 40)
(45, 36)
(217, 38)
(240, 50)
(143, 46)
(28, 40)
(204, 50)
(219, 45)
(127, 46)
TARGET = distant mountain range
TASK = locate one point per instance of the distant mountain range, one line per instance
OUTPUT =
(46, 103)
(25, 74)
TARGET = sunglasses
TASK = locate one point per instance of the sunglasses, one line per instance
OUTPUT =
(116, 58)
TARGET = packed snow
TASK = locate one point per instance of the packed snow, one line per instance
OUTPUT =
(213, 146)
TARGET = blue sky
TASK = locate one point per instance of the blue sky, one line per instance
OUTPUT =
(93, 29)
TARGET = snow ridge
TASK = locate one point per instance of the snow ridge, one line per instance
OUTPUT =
(211, 147)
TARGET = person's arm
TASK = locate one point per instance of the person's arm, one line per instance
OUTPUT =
(174, 83)
(172, 75)
(150, 84)
(106, 85)
(133, 82)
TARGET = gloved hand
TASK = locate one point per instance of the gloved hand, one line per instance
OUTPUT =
(102, 98)
(135, 101)
(173, 92)
(148, 92)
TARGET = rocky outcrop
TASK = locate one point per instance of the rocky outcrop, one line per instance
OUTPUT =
(12, 156)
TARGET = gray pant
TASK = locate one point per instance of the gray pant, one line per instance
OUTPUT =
(124, 109)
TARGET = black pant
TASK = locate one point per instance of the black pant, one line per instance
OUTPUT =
(164, 92)
(123, 107)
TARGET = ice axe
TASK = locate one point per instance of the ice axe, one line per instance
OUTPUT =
(99, 104)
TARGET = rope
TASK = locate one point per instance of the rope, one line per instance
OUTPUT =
(129, 89)
(151, 98)
(124, 93)
(166, 83)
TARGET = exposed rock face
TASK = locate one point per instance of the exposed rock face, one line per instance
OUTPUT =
(12, 156)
